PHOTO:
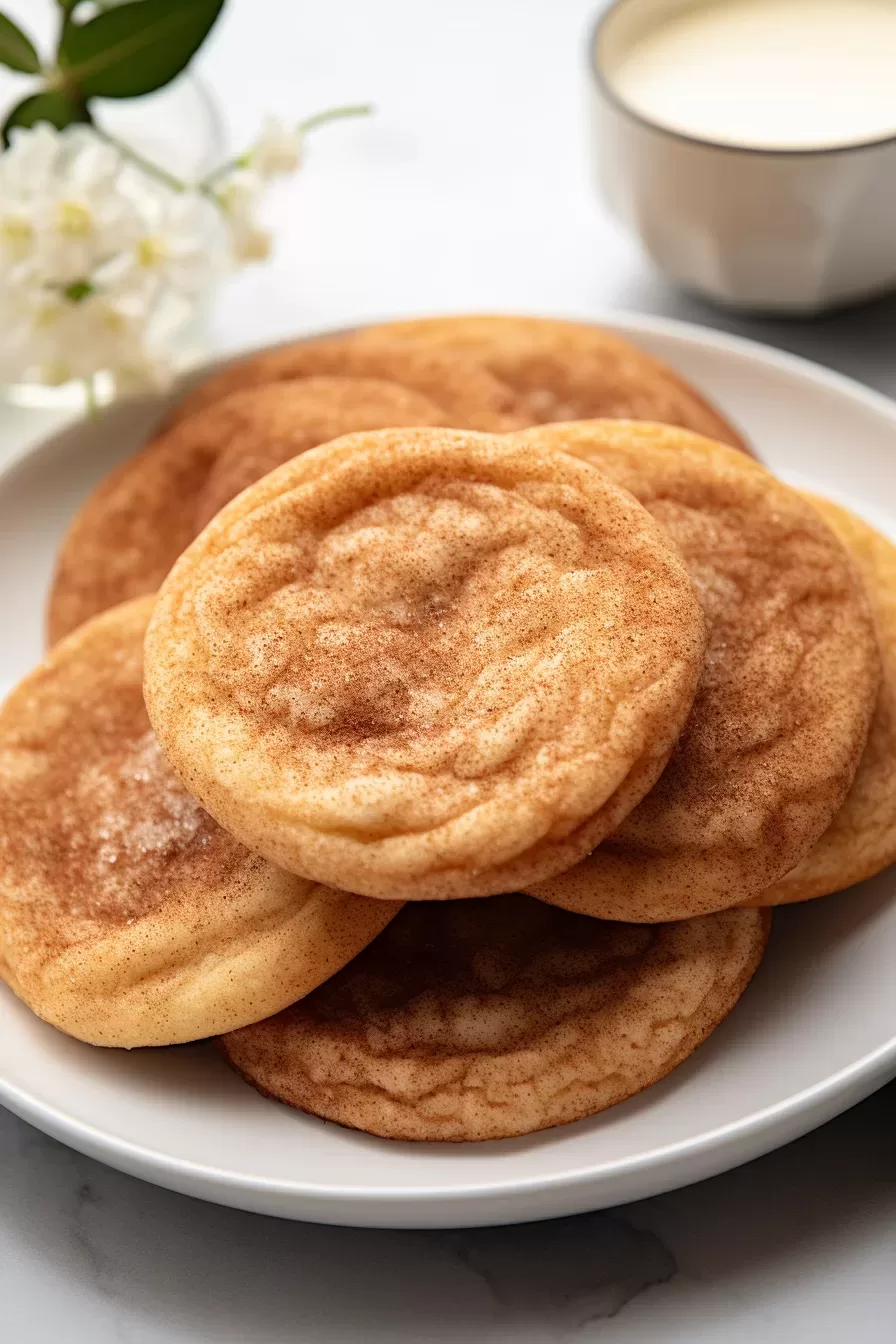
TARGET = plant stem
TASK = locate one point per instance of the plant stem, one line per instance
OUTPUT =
(309, 124)
(335, 114)
(206, 184)
(91, 400)
(146, 165)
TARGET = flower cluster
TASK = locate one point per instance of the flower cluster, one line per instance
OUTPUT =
(240, 188)
(104, 260)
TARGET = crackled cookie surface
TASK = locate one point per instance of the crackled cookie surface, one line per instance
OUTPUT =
(127, 916)
(491, 1019)
(292, 417)
(861, 840)
(129, 532)
(565, 370)
(423, 663)
(785, 701)
(469, 394)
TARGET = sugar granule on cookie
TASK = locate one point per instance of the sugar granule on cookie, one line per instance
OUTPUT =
(128, 917)
(424, 663)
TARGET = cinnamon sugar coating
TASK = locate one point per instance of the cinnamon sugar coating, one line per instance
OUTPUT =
(127, 915)
(424, 663)
(491, 1019)
(564, 370)
(861, 840)
(470, 396)
(785, 701)
(129, 532)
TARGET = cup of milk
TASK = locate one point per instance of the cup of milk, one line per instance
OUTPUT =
(752, 144)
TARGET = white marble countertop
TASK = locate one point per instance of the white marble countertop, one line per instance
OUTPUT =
(469, 189)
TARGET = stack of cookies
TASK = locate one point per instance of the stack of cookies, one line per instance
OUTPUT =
(434, 713)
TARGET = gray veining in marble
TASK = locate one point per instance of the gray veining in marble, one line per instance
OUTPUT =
(87, 1254)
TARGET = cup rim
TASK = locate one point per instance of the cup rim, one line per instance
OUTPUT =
(609, 92)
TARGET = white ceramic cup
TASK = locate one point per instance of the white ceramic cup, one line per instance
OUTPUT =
(775, 231)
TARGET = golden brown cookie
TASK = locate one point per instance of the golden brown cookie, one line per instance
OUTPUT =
(861, 840)
(565, 370)
(127, 916)
(299, 416)
(129, 532)
(425, 663)
(470, 396)
(785, 702)
(491, 1019)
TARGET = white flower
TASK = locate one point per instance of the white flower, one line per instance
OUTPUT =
(70, 196)
(30, 159)
(239, 190)
(252, 244)
(278, 151)
(101, 266)
(16, 234)
(239, 195)
(56, 339)
(180, 243)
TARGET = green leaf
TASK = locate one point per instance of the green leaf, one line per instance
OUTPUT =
(52, 106)
(16, 50)
(135, 48)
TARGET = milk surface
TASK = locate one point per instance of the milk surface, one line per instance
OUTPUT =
(774, 74)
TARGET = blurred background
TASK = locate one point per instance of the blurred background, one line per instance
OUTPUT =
(473, 185)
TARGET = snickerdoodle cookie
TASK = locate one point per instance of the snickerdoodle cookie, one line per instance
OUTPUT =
(465, 390)
(127, 916)
(491, 1019)
(425, 663)
(130, 531)
(786, 698)
(565, 370)
(861, 840)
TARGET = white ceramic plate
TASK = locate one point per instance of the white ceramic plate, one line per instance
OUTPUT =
(815, 1032)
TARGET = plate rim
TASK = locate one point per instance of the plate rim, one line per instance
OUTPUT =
(720, 1148)
(808, 1103)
